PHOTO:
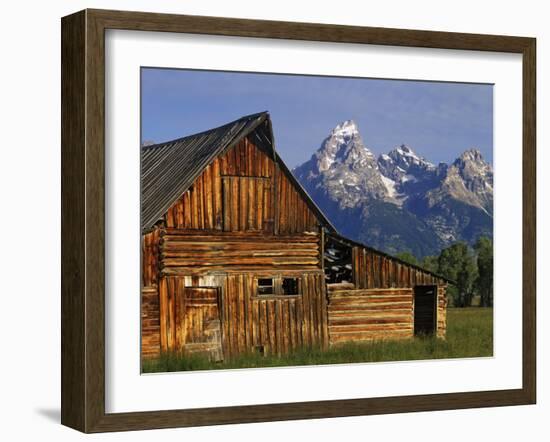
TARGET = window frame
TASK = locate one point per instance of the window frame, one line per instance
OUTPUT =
(277, 287)
(273, 286)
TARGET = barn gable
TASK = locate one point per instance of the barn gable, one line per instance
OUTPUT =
(185, 174)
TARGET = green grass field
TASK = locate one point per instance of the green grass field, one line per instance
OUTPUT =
(469, 334)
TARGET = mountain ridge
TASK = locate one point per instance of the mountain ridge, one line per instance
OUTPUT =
(399, 200)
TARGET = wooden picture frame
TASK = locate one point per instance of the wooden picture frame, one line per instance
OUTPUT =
(83, 217)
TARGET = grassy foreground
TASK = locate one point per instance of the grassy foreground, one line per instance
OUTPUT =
(469, 334)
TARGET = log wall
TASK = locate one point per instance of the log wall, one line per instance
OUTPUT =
(365, 315)
(242, 190)
(376, 314)
(376, 270)
(188, 252)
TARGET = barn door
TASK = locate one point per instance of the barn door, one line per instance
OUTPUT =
(425, 310)
(201, 329)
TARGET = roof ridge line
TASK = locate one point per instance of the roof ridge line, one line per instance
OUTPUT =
(196, 134)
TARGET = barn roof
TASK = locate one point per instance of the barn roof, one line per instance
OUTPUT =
(169, 169)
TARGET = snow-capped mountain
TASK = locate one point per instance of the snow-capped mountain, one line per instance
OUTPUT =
(347, 171)
(398, 201)
(345, 168)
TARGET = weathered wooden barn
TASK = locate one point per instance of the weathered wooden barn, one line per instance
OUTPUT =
(236, 257)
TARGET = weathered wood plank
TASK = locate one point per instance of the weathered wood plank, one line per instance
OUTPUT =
(234, 210)
(252, 224)
(259, 205)
(314, 308)
(362, 309)
(264, 327)
(243, 204)
(249, 324)
(279, 326)
(217, 203)
(293, 341)
(271, 321)
(217, 261)
(208, 198)
(367, 319)
(343, 337)
(298, 307)
(232, 297)
(285, 307)
(241, 314)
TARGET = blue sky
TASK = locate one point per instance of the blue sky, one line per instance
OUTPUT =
(438, 120)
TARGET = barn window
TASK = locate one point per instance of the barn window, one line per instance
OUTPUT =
(266, 286)
(278, 285)
(290, 286)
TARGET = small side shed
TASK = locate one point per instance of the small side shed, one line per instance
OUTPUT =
(236, 257)
(372, 295)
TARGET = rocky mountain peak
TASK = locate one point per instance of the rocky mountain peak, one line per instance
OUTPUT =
(402, 164)
(343, 145)
(468, 179)
(344, 167)
(476, 176)
(400, 199)
(472, 154)
(345, 128)
(406, 158)
(472, 166)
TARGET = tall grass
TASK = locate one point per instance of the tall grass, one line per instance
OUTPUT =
(469, 334)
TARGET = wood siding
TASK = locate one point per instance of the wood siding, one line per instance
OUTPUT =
(190, 318)
(279, 324)
(293, 215)
(273, 324)
(250, 323)
(186, 252)
(247, 204)
(150, 315)
(376, 270)
(376, 314)
(150, 258)
(246, 159)
(370, 314)
(150, 322)
(242, 190)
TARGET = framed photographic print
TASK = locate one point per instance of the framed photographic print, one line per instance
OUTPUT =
(268, 220)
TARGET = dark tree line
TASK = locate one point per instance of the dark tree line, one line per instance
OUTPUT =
(470, 267)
